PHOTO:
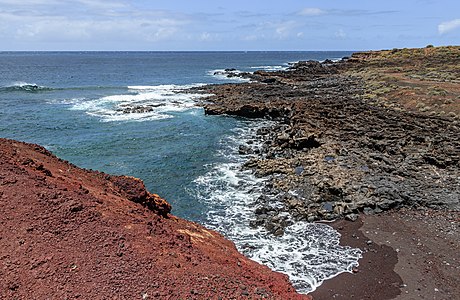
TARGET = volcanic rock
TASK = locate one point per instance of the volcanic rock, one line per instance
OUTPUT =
(376, 131)
(68, 233)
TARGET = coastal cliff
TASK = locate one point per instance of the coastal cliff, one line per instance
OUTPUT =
(68, 233)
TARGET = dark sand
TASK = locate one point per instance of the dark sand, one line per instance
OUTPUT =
(409, 254)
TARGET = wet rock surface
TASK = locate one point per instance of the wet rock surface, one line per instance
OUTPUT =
(333, 151)
(139, 109)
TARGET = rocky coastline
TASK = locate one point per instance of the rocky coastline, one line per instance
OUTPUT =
(372, 139)
(346, 140)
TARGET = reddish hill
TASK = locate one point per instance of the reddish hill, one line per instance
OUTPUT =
(70, 233)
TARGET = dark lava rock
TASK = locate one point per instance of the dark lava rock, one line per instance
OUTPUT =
(356, 154)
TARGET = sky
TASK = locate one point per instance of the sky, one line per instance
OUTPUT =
(216, 25)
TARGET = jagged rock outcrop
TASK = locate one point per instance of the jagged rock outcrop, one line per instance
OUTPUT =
(352, 137)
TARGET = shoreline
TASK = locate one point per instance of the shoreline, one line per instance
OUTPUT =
(409, 254)
(346, 144)
(324, 257)
(356, 139)
(351, 154)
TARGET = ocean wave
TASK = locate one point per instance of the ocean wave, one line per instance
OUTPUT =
(308, 253)
(140, 103)
(292, 63)
(165, 87)
(331, 59)
(271, 68)
(229, 75)
(33, 87)
(24, 87)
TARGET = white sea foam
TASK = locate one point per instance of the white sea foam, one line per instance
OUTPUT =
(140, 103)
(108, 115)
(164, 87)
(308, 253)
(331, 59)
(271, 68)
(222, 74)
(22, 83)
(24, 86)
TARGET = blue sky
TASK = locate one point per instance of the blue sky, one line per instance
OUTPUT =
(227, 25)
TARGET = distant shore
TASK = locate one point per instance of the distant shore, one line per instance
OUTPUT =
(372, 138)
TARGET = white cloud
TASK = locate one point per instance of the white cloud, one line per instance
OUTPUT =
(205, 37)
(162, 33)
(98, 4)
(92, 21)
(283, 29)
(445, 27)
(340, 34)
(65, 29)
(56, 6)
(273, 29)
(311, 11)
(28, 2)
(251, 38)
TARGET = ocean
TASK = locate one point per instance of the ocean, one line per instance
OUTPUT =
(126, 113)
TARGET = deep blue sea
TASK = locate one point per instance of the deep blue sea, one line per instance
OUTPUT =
(72, 103)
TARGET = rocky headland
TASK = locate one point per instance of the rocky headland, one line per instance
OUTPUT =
(70, 233)
(352, 137)
(372, 138)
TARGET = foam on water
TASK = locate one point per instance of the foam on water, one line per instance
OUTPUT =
(271, 68)
(222, 74)
(108, 115)
(308, 253)
(140, 103)
(334, 59)
(24, 87)
(164, 87)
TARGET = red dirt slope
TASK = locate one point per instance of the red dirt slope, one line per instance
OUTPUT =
(69, 233)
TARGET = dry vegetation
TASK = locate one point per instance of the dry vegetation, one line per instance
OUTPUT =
(423, 80)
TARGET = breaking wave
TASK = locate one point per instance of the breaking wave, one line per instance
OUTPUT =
(139, 103)
(308, 253)
(229, 75)
(272, 68)
(24, 87)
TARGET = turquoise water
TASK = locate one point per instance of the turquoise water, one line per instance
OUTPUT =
(54, 99)
(72, 103)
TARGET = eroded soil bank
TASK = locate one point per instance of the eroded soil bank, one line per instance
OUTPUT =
(69, 233)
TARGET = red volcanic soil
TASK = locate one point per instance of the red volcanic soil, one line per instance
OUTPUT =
(70, 233)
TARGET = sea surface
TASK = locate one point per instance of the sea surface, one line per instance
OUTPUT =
(72, 103)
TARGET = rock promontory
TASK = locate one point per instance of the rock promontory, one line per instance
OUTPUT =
(375, 131)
